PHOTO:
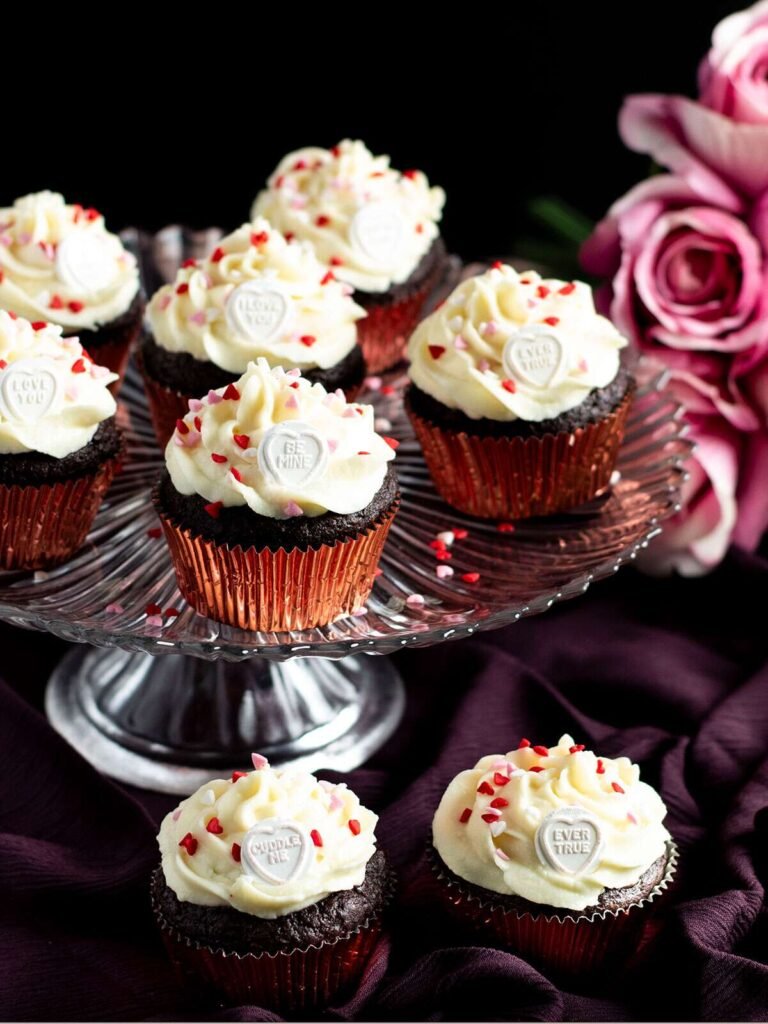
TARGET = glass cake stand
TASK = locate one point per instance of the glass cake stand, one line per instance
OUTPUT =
(167, 702)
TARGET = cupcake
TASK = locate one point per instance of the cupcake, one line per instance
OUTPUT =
(255, 296)
(59, 263)
(59, 445)
(518, 396)
(553, 852)
(271, 888)
(276, 502)
(374, 226)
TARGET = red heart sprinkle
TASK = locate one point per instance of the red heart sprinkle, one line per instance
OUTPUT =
(600, 767)
(259, 237)
(3, 364)
(189, 263)
(393, 443)
(499, 779)
(218, 458)
(387, 389)
(499, 802)
(436, 350)
(236, 852)
(238, 775)
(437, 544)
(289, 236)
(485, 787)
(92, 214)
(182, 427)
(189, 843)
(78, 366)
(214, 508)
(154, 532)
(411, 174)
(153, 609)
(236, 474)
(568, 288)
(542, 291)
(419, 229)
(553, 321)
(308, 340)
(214, 826)
(322, 220)
(182, 289)
(336, 261)
(217, 255)
(443, 556)
(523, 744)
(505, 527)
(38, 325)
(241, 440)
(490, 818)
(470, 577)
(465, 815)
(459, 532)
(354, 826)
(198, 423)
(536, 768)
(541, 751)
(327, 277)
(497, 265)
(617, 788)
(231, 393)
(576, 748)
(316, 838)
(300, 165)
(56, 302)
(75, 306)
(510, 386)
(171, 613)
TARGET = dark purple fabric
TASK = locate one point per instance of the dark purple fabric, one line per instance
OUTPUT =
(672, 673)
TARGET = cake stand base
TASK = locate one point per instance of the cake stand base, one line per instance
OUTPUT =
(162, 723)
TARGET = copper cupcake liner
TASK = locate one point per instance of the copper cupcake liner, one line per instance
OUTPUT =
(270, 591)
(569, 942)
(515, 477)
(40, 527)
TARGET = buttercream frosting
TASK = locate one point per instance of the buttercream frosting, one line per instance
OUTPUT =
(52, 395)
(266, 842)
(59, 263)
(508, 345)
(519, 823)
(371, 223)
(280, 445)
(256, 295)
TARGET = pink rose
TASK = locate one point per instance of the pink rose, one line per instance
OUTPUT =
(733, 77)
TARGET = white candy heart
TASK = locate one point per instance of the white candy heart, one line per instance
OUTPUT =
(292, 453)
(258, 310)
(534, 355)
(377, 231)
(28, 389)
(569, 841)
(276, 850)
(86, 262)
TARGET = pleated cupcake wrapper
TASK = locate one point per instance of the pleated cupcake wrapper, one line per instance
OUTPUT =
(270, 591)
(568, 942)
(43, 526)
(296, 979)
(515, 477)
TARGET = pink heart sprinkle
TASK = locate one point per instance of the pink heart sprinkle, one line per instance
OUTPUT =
(214, 398)
(443, 572)
(164, 302)
(199, 317)
(372, 383)
(71, 393)
(298, 203)
(340, 394)
(491, 327)
(632, 818)
(293, 372)
(346, 289)
(336, 802)
(348, 413)
(531, 303)
(191, 439)
(291, 402)
(583, 366)
(483, 365)
(6, 240)
(114, 609)
(176, 814)
(259, 761)
(195, 405)
(459, 343)
(501, 855)
(332, 445)
(178, 441)
(414, 600)
(24, 238)
(154, 620)
(292, 509)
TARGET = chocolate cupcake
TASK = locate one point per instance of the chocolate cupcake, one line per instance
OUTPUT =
(277, 501)
(59, 446)
(271, 889)
(376, 227)
(59, 264)
(554, 852)
(255, 296)
(518, 396)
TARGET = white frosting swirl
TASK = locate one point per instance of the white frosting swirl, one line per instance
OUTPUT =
(216, 875)
(257, 295)
(58, 262)
(52, 395)
(474, 352)
(499, 854)
(219, 451)
(372, 223)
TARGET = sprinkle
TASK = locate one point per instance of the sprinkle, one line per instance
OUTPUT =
(447, 537)
(553, 321)
(499, 802)
(300, 165)
(460, 533)
(536, 768)
(214, 398)
(114, 609)
(78, 366)
(182, 427)
(443, 556)
(322, 220)
(164, 302)
(483, 365)
(436, 350)
(216, 457)
(308, 340)
(292, 509)
(199, 318)
(296, 372)
(189, 843)
(459, 343)
(176, 814)
(236, 852)
(193, 437)
(289, 236)
(443, 571)
(525, 280)
(92, 214)
(354, 826)
(499, 779)
(236, 474)
(208, 798)
(332, 443)
(372, 383)
(497, 827)
(414, 600)
(501, 854)
(509, 385)
(291, 401)
(231, 393)
(182, 289)
(541, 751)
(381, 423)
(523, 744)
(491, 328)
(327, 277)
(214, 508)
(542, 291)
(485, 787)
(505, 527)
(171, 613)
(387, 389)
(336, 261)
(217, 255)
(189, 263)
(153, 609)
(38, 325)
(410, 174)
(238, 775)
(259, 237)
(631, 817)
(241, 440)
(378, 571)
(214, 826)
(56, 302)
(259, 761)
(583, 366)
(600, 767)
(576, 748)
(393, 443)
(363, 453)
(437, 544)
(497, 265)
(567, 289)
(316, 838)
(419, 229)
(617, 788)
(490, 816)
(154, 532)
(470, 577)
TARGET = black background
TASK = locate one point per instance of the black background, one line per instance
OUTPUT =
(154, 125)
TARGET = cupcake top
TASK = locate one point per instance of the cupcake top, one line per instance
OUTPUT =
(279, 444)
(507, 345)
(555, 825)
(266, 842)
(58, 262)
(256, 295)
(52, 395)
(372, 224)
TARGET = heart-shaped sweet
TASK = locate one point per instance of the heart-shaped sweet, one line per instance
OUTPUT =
(276, 850)
(28, 389)
(85, 262)
(377, 231)
(534, 355)
(292, 453)
(569, 841)
(258, 310)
